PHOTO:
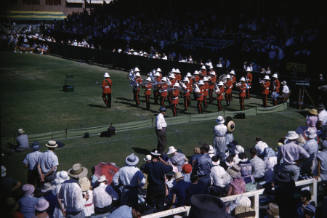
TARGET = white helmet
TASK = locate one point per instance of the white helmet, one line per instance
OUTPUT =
(275, 75)
(203, 67)
(242, 79)
(248, 69)
(138, 74)
(232, 72)
(136, 69)
(106, 74)
(158, 69)
(189, 74)
(266, 77)
(172, 76)
(157, 74)
(213, 73)
(227, 76)
(176, 85)
(197, 90)
(201, 82)
(205, 79)
(177, 71)
(186, 79)
(164, 79)
(173, 70)
(196, 72)
(148, 79)
(220, 83)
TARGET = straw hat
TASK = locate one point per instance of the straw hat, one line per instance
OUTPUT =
(220, 120)
(42, 204)
(20, 131)
(51, 144)
(132, 160)
(313, 111)
(292, 135)
(84, 183)
(77, 171)
(171, 150)
(178, 175)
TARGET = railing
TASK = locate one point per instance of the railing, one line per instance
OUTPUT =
(312, 183)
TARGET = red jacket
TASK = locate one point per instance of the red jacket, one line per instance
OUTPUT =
(229, 86)
(220, 94)
(147, 89)
(106, 86)
(242, 88)
(266, 86)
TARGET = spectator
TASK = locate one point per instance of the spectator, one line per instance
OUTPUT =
(9, 186)
(126, 211)
(22, 140)
(312, 119)
(322, 162)
(179, 190)
(178, 159)
(31, 162)
(193, 189)
(41, 208)
(203, 166)
(322, 115)
(305, 201)
(220, 179)
(219, 142)
(102, 199)
(130, 179)
(195, 156)
(258, 166)
(28, 202)
(260, 146)
(311, 146)
(61, 177)
(48, 163)
(237, 186)
(87, 195)
(187, 171)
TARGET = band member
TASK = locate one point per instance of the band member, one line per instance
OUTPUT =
(171, 83)
(163, 91)
(242, 95)
(265, 89)
(196, 79)
(212, 83)
(198, 90)
(203, 72)
(174, 99)
(249, 79)
(136, 88)
(233, 78)
(178, 75)
(275, 89)
(187, 89)
(205, 92)
(147, 92)
(106, 89)
(228, 89)
(156, 87)
(220, 91)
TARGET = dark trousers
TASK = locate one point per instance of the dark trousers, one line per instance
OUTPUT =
(33, 177)
(242, 104)
(147, 101)
(162, 140)
(219, 105)
(264, 100)
(187, 102)
(155, 197)
(107, 99)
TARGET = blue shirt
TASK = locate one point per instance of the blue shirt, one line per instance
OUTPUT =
(27, 205)
(123, 211)
(48, 160)
(193, 189)
(204, 165)
(32, 159)
(22, 141)
(180, 190)
(156, 173)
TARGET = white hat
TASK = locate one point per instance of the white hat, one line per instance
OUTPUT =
(138, 74)
(51, 144)
(189, 74)
(203, 67)
(227, 76)
(176, 85)
(172, 76)
(201, 82)
(275, 75)
(239, 149)
(85, 184)
(220, 83)
(148, 79)
(20, 131)
(220, 120)
(157, 74)
(178, 175)
(136, 69)
(213, 73)
(196, 72)
(155, 153)
(173, 70)
(266, 77)
(284, 82)
(28, 189)
(197, 90)
(232, 72)
(292, 135)
(42, 204)
(102, 178)
(106, 74)
(164, 79)
(248, 69)
(243, 201)
(177, 70)
(211, 151)
(62, 176)
(171, 150)
(205, 79)
(158, 69)
(242, 79)
(186, 79)
(147, 157)
(132, 159)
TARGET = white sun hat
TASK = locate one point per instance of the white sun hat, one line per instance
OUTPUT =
(275, 75)
(171, 150)
(196, 72)
(186, 79)
(232, 72)
(148, 79)
(189, 74)
(227, 76)
(138, 74)
(201, 82)
(158, 69)
(203, 67)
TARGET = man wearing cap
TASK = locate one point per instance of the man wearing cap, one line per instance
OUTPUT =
(289, 155)
(28, 202)
(106, 89)
(22, 140)
(129, 178)
(160, 128)
(219, 140)
(156, 170)
(147, 92)
(70, 196)
(275, 89)
(178, 159)
(220, 91)
(48, 163)
(242, 87)
(30, 162)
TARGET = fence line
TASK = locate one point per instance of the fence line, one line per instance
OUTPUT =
(312, 183)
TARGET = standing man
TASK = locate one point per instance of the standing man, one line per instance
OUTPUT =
(276, 87)
(147, 92)
(242, 87)
(160, 128)
(137, 87)
(228, 89)
(265, 89)
(30, 162)
(106, 89)
(249, 79)
(285, 92)
(220, 91)
(48, 163)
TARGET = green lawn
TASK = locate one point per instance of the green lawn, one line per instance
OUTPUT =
(31, 98)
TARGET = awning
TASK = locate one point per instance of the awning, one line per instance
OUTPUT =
(36, 15)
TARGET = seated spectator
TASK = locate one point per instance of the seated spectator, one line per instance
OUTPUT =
(41, 208)
(193, 189)
(305, 201)
(260, 146)
(203, 166)
(22, 140)
(237, 186)
(179, 190)
(87, 195)
(220, 179)
(30, 162)
(176, 158)
(187, 171)
(102, 199)
(9, 187)
(28, 202)
(322, 162)
(125, 211)
(258, 166)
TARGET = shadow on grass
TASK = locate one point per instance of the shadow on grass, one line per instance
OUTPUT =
(96, 105)
(141, 150)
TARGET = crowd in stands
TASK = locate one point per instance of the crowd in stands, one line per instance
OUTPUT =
(171, 179)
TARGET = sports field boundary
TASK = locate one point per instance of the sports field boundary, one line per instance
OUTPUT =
(149, 123)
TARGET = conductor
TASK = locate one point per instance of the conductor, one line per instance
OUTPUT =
(160, 128)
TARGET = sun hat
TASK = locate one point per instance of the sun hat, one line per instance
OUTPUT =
(203, 67)
(201, 83)
(313, 111)
(187, 168)
(248, 69)
(77, 171)
(162, 109)
(47, 187)
(266, 77)
(42, 204)
(148, 79)
(196, 72)
(102, 178)
(292, 135)
(106, 74)
(28, 189)
(171, 150)
(189, 74)
(132, 159)
(147, 157)
(234, 171)
(178, 175)
(51, 144)
(207, 206)
(155, 154)
(186, 79)
(136, 69)
(220, 120)
(20, 131)
(85, 184)
(62, 176)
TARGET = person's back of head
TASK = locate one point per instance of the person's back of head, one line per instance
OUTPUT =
(205, 148)
(194, 178)
(253, 152)
(197, 150)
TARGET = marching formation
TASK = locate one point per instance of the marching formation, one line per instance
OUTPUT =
(204, 86)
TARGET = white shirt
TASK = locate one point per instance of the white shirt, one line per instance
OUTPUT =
(219, 176)
(285, 90)
(71, 195)
(322, 116)
(88, 204)
(160, 121)
(32, 159)
(220, 130)
(101, 198)
(129, 175)
(48, 160)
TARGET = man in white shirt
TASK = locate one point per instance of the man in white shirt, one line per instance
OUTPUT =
(160, 128)
(48, 163)
(322, 116)
(219, 178)
(30, 162)
(285, 91)
(101, 197)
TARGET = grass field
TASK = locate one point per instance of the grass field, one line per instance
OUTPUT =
(31, 98)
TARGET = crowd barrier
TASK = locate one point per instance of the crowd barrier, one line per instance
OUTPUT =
(136, 125)
(253, 195)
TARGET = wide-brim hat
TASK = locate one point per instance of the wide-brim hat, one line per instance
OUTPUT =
(220, 120)
(171, 150)
(231, 126)
(313, 111)
(42, 204)
(155, 153)
(77, 171)
(106, 75)
(207, 206)
(51, 144)
(132, 160)
(292, 135)
(62, 176)
(21, 131)
(147, 157)
(266, 77)
(28, 188)
(85, 184)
